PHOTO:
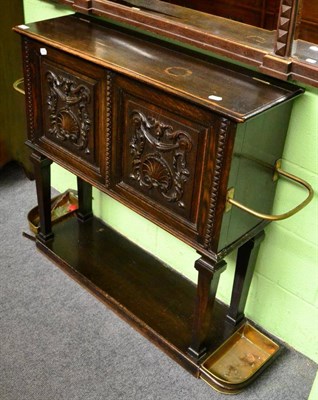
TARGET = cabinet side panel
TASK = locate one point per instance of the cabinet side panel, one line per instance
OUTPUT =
(258, 145)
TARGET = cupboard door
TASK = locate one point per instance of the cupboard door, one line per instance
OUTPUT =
(69, 111)
(73, 110)
(161, 146)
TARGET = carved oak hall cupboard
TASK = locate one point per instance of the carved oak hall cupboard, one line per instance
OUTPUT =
(192, 144)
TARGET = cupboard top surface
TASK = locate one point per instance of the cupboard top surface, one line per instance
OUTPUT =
(234, 92)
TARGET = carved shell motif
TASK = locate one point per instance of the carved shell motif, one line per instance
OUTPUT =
(68, 126)
(165, 166)
(155, 173)
(67, 103)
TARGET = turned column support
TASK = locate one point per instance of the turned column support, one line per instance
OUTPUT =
(208, 278)
(245, 265)
(42, 174)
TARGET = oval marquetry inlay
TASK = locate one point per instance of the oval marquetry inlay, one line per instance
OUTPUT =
(178, 71)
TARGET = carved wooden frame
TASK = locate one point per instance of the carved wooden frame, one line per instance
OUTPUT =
(276, 61)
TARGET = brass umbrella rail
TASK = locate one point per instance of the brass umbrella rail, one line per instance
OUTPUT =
(278, 217)
(16, 85)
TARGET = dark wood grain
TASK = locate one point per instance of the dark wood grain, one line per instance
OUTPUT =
(208, 280)
(245, 264)
(251, 12)
(307, 29)
(152, 297)
(144, 59)
(134, 118)
(236, 40)
(84, 191)
(155, 131)
(42, 173)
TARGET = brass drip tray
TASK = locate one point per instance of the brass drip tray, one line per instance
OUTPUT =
(62, 206)
(234, 364)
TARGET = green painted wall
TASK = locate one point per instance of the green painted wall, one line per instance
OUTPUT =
(36, 10)
(284, 293)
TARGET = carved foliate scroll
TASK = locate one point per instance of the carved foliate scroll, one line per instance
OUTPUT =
(67, 103)
(159, 157)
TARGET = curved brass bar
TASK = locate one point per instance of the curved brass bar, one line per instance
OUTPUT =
(285, 215)
(16, 85)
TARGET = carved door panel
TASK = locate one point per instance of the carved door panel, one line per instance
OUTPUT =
(69, 113)
(73, 112)
(161, 145)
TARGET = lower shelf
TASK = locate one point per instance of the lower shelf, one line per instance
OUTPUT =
(148, 294)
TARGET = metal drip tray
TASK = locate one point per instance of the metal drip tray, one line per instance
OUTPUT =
(233, 365)
(62, 206)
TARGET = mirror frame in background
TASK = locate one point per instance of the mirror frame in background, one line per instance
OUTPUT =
(274, 53)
